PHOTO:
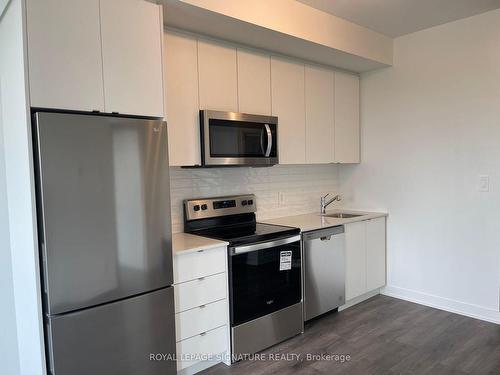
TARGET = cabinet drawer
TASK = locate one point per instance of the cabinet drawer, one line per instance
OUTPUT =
(199, 264)
(200, 319)
(200, 347)
(200, 292)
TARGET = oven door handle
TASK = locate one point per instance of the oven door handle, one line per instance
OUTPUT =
(264, 245)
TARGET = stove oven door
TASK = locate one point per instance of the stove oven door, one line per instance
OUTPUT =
(264, 278)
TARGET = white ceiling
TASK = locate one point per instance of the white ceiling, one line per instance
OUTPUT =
(399, 17)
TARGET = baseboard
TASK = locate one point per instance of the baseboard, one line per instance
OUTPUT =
(359, 299)
(441, 303)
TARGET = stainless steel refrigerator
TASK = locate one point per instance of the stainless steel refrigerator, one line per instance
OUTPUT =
(105, 244)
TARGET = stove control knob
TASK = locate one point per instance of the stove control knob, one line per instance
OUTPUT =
(243, 203)
(250, 202)
(204, 207)
(196, 207)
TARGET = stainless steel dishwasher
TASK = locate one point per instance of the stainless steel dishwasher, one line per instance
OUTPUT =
(324, 270)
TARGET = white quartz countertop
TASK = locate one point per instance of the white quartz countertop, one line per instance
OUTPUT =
(185, 243)
(314, 221)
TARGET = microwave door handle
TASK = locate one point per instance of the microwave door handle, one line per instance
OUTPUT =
(262, 142)
(269, 140)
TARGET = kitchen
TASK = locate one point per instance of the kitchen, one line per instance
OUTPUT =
(398, 125)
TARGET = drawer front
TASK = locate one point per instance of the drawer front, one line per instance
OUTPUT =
(200, 292)
(199, 264)
(200, 319)
(197, 348)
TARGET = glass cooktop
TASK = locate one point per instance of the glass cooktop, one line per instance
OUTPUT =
(243, 234)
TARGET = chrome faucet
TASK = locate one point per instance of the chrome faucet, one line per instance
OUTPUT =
(324, 203)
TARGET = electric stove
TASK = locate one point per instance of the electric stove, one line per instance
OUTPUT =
(264, 270)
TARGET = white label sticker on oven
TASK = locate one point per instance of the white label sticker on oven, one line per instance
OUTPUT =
(285, 260)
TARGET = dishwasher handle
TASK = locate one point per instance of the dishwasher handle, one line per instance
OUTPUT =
(323, 234)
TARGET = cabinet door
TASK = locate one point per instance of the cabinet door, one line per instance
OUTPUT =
(288, 103)
(319, 114)
(181, 99)
(254, 83)
(355, 239)
(347, 135)
(64, 45)
(375, 253)
(217, 76)
(131, 33)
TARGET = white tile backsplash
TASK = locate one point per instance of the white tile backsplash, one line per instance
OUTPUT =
(301, 185)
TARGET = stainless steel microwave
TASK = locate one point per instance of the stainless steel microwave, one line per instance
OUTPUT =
(238, 139)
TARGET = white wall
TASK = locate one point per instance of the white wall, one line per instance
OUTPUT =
(17, 209)
(3, 5)
(8, 333)
(430, 127)
(302, 186)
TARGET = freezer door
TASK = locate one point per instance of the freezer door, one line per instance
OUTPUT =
(104, 209)
(118, 338)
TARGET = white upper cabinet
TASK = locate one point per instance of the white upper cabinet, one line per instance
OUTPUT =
(319, 88)
(132, 57)
(375, 253)
(217, 76)
(254, 82)
(317, 108)
(181, 99)
(102, 55)
(288, 103)
(64, 49)
(347, 137)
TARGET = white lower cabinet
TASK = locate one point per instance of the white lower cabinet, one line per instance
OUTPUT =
(365, 257)
(202, 309)
(200, 319)
(204, 347)
(200, 292)
(355, 245)
(375, 254)
(198, 264)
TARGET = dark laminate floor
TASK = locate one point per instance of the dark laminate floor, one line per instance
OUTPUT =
(386, 336)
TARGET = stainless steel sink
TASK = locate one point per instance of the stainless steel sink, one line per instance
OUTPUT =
(340, 215)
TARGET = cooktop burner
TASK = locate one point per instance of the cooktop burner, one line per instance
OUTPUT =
(230, 219)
